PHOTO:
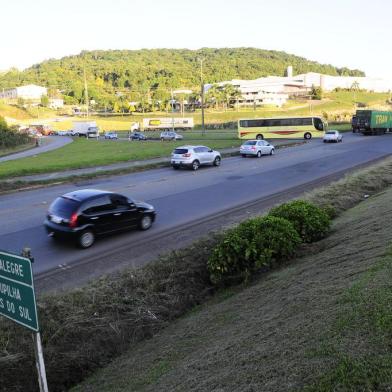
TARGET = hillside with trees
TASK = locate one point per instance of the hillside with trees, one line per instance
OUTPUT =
(118, 76)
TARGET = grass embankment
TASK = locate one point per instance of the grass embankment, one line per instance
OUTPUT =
(9, 151)
(321, 323)
(13, 112)
(89, 153)
(271, 334)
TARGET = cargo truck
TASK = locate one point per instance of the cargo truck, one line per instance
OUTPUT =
(169, 123)
(372, 122)
(85, 128)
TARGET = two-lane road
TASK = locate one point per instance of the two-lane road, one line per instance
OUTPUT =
(181, 197)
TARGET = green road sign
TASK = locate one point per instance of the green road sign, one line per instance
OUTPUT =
(17, 297)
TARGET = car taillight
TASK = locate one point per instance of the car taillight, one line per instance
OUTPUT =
(74, 220)
(253, 148)
(186, 155)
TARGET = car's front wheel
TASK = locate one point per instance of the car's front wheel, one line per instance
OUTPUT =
(86, 239)
(272, 152)
(217, 161)
(145, 222)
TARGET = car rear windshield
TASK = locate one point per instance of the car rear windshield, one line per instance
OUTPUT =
(64, 207)
(180, 151)
(250, 143)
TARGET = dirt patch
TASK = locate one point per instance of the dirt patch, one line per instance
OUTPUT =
(264, 337)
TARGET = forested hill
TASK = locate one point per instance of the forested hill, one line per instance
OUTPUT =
(137, 70)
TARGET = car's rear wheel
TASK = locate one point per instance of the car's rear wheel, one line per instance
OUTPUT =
(195, 165)
(86, 239)
(145, 222)
(217, 161)
(176, 167)
(258, 154)
(243, 155)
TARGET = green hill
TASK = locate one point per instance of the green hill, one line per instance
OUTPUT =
(141, 73)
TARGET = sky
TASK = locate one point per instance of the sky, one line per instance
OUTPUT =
(351, 33)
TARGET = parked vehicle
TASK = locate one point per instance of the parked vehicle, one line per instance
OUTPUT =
(111, 135)
(257, 148)
(65, 133)
(373, 122)
(170, 135)
(137, 136)
(86, 214)
(88, 129)
(173, 123)
(332, 136)
(45, 130)
(194, 156)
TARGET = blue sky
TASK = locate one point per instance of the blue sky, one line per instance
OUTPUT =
(348, 33)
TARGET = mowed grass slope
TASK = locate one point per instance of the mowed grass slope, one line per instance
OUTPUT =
(88, 153)
(321, 323)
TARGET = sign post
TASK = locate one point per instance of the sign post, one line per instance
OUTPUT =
(17, 302)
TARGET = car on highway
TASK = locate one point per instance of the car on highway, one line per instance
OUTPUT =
(170, 135)
(85, 214)
(332, 136)
(111, 135)
(257, 148)
(194, 156)
(137, 136)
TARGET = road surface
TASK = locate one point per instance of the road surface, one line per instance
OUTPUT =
(180, 197)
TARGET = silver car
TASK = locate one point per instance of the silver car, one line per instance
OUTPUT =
(257, 148)
(170, 135)
(194, 156)
(332, 136)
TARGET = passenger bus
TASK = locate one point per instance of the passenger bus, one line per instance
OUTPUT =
(282, 127)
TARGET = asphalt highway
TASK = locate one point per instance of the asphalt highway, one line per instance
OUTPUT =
(180, 197)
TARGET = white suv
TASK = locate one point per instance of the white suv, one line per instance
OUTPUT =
(194, 156)
(170, 135)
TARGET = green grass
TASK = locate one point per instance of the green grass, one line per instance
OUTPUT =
(13, 112)
(88, 153)
(8, 151)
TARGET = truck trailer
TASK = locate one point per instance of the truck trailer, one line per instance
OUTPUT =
(85, 128)
(372, 122)
(167, 123)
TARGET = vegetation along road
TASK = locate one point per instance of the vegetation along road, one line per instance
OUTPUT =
(180, 197)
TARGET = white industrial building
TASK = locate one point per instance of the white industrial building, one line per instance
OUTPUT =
(275, 90)
(29, 92)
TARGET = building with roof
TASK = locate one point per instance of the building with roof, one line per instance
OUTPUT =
(28, 92)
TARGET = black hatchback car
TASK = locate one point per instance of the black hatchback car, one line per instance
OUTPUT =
(85, 214)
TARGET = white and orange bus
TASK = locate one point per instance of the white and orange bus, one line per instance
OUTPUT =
(282, 127)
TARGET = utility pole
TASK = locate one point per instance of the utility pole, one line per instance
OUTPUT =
(85, 91)
(202, 96)
(172, 108)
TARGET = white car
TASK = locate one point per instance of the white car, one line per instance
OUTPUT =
(111, 135)
(170, 135)
(65, 133)
(332, 136)
(194, 156)
(257, 148)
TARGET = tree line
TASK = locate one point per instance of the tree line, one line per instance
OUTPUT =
(146, 77)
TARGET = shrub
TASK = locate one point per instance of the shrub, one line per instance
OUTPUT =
(311, 222)
(253, 244)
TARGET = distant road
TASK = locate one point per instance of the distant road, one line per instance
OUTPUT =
(49, 143)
